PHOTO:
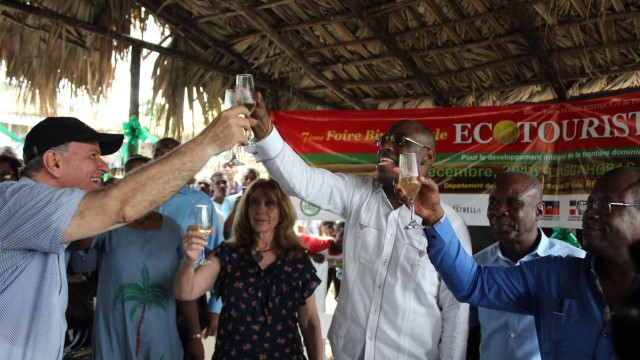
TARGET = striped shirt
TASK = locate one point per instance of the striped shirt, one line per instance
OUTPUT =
(33, 282)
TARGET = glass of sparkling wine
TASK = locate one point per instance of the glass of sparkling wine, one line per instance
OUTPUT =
(116, 168)
(246, 95)
(203, 220)
(409, 184)
(230, 101)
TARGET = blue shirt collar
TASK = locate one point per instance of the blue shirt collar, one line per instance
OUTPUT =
(541, 250)
(185, 189)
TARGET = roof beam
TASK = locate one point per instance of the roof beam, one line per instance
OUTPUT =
(402, 34)
(474, 92)
(444, 75)
(226, 14)
(439, 27)
(518, 11)
(505, 62)
(600, 73)
(377, 27)
(185, 27)
(498, 88)
(507, 87)
(372, 12)
(631, 44)
(516, 59)
(597, 19)
(259, 22)
(433, 51)
(601, 94)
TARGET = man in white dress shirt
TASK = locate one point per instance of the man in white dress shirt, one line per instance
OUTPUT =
(393, 304)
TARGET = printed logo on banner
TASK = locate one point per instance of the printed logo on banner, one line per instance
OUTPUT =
(466, 209)
(551, 210)
(573, 209)
(574, 213)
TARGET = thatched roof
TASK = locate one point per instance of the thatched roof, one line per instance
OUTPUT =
(339, 54)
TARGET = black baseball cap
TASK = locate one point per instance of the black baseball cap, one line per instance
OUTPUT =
(56, 131)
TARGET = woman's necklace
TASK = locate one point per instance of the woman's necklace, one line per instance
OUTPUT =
(257, 254)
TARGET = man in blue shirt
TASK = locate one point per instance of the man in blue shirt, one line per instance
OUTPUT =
(572, 299)
(515, 205)
(58, 200)
(181, 208)
(219, 190)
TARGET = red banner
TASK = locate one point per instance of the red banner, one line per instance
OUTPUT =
(569, 145)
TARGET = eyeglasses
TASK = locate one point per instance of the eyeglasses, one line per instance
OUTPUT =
(397, 139)
(601, 206)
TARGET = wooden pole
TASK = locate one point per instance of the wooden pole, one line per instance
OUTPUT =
(134, 96)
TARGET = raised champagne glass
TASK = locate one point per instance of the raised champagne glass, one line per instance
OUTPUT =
(410, 184)
(246, 96)
(230, 101)
(116, 166)
(203, 220)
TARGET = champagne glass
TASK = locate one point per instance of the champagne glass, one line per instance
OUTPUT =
(409, 184)
(116, 167)
(246, 95)
(203, 220)
(230, 101)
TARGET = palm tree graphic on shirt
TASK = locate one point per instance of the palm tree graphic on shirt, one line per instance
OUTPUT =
(144, 296)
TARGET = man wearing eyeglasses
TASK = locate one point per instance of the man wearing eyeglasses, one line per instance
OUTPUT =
(392, 303)
(515, 205)
(572, 299)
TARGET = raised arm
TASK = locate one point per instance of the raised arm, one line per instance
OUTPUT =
(445, 250)
(126, 201)
(330, 191)
(191, 283)
(491, 286)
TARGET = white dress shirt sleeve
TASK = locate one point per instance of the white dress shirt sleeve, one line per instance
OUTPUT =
(329, 191)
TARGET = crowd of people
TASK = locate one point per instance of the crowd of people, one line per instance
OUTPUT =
(402, 293)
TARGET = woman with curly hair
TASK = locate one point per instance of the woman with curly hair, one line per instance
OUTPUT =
(265, 278)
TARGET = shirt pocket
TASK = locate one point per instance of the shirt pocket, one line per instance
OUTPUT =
(413, 257)
(562, 321)
(367, 244)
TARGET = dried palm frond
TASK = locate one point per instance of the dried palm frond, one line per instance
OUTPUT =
(44, 56)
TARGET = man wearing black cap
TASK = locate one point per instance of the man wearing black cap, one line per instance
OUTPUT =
(51, 205)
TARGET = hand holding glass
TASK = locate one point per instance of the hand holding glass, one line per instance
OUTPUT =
(410, 184)
(203, 221)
